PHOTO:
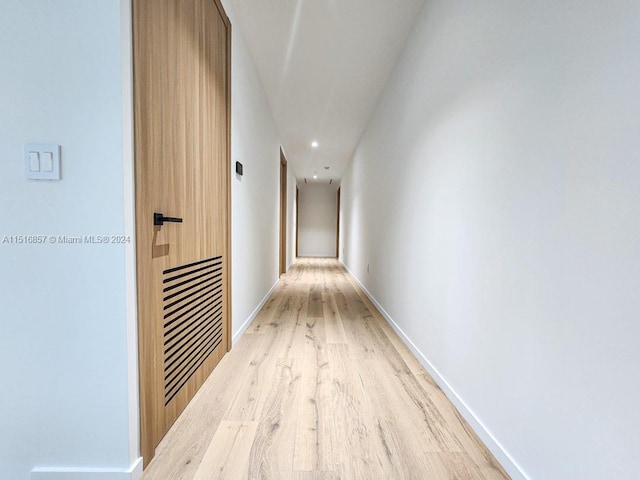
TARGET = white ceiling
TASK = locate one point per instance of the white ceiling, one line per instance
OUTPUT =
(323, 64)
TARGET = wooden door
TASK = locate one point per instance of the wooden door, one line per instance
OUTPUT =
(182, 132)
(338, 223)
(283, 213)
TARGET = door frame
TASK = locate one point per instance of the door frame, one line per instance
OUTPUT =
(283, 215)
(131, 285)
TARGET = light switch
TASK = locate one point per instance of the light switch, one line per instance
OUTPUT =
(34, 162)
(47, 161)
(42, 162)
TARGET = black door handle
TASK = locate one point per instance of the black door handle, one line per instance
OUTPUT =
(159, 219)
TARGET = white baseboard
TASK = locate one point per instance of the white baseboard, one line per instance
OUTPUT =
(73, 473)
(253, 315)
(498, 451)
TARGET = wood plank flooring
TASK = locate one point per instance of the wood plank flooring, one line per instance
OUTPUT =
(320, 388)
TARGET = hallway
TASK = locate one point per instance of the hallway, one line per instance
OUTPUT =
(320, 387)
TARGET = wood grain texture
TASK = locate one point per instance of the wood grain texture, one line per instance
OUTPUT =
(283, 213)
(228, 454)
(338, 223)
(333, 394)
(297, 219)
(182, 151)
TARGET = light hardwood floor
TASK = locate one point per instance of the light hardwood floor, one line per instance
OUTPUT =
(320, 388)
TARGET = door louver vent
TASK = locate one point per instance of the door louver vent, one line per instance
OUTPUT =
(192, 304)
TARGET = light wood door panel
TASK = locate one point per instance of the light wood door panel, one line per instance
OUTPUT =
(182, 110)
(283, 213)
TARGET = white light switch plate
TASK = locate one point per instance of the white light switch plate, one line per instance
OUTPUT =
(49, 164)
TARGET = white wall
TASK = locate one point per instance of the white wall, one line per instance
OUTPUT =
(495, 194)
(255, 194)
(317, 235)
(63, 345)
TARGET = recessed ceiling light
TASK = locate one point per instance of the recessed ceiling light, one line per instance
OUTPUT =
(314, 144)
(315, 176)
